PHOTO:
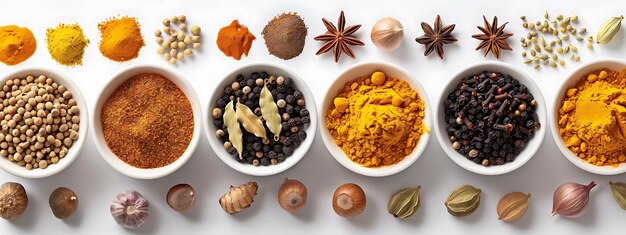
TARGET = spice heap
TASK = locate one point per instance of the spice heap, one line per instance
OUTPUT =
(491, 117)
(592, 118)
(148, 121)
(66, 44)
(121, 38)
(16, 44)
(552, 51)
(285, 35)
(339, 38)
(235, 40)
(376, 120)
(179, 43)
(256, 102)
(40, 121)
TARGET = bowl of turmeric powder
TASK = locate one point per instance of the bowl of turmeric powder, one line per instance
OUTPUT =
(589, 117)
(376, 119)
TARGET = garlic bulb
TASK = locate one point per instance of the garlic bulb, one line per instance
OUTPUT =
(570, 199)
(387, 34)
(349, 200)
(292, 195)
(129, 209)
(239, 198)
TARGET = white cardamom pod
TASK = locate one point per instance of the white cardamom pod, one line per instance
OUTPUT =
(609, 29)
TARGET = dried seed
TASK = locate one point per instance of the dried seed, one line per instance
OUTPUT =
(562, 63)
(559, 50)
(270, 113)
(523, 54)
(404, 203)
(582, 31)
(590, 46)
(552, 64)
(463, 200)
(559, 16)
(533, 52)
(590, 38)
(235, 136)
(527, 61)
(251, 122)
(537, 48)
(573, 48)
(512, 206)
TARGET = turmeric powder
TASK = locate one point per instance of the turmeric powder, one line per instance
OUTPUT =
(16, 44)
(592, 118)
(66, 44)
(376, 121)
(121, 39)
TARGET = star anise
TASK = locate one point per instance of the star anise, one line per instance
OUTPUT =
(339, 38)
(435, 39)
(493, 38)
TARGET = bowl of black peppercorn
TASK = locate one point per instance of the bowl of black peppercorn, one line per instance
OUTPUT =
(490, 118)
(269, 154)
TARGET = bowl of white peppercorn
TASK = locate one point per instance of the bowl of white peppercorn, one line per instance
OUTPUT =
(44, 122)
(273, 119)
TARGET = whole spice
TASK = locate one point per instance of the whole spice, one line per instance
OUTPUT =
(121, 38)
(292, 195)
(285, 35)
(591, 118)
(270, 113)
(181, 197)
(376, 120)
(239, 198)
(570, 199)
(234, 130)
(13, 200)
(235, 40)
(130, 209)
(147, 121)
(179, 43)
(32, 106)
(17, 44)
(387, 34)
(66, 44)
(434, 39)
(491, 117)
(349, 200)
(404, 203)
(463, 200)
(493, 38)
(63, 202)
(619, 193)
(249, 120)
(609, 29)
(512, 206)
(339, 38)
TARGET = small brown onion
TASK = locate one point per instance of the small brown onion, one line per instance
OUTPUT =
(349, 200)
(63, 202)
(570, 199)
(292, 195)
(13, 200)
(181, 197)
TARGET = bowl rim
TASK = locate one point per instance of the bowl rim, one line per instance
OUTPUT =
(117, 79)
(572, 78)
(340, 156)
(527, 153)
(217, 146)
(76, 148)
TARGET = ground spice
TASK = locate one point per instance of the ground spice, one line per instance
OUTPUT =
(235, 40)
(377, 121)
(285, 35)
(16, 44)
(121, 39)
(147, 121)
(592, 118)
(66, 44)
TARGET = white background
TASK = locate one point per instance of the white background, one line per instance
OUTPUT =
(96, 183)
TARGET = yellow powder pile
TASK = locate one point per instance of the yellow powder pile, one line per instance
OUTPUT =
(66, 44)
(16, 44)
(592, 118)
(376, 121)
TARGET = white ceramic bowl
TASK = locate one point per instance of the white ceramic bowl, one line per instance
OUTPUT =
(366, 69)
(218, 146)
(98, 136)
(569, 82)
(531, 147)
(74, 151)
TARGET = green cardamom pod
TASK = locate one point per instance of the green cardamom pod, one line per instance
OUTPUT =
(619, 193)
(463, 200)
(609, 29)
(404, 203)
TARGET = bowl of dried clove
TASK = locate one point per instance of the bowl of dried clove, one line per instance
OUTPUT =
(490, 118)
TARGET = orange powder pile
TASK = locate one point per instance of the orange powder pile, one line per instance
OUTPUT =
(121, 39)
(235, 40)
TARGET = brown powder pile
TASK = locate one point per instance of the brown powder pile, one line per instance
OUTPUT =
(147, 121)
(285, 35)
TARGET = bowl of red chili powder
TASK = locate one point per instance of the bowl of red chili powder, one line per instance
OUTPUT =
(147, 122)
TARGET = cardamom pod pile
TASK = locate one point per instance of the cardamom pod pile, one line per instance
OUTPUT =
(272, 112)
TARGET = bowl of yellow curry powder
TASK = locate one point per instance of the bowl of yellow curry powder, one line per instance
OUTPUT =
(376, 118)
(589, 117)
